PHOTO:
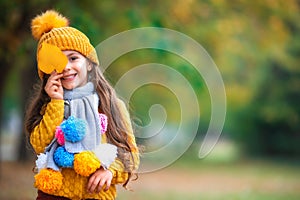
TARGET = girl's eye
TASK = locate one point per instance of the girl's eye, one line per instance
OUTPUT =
(73, 58)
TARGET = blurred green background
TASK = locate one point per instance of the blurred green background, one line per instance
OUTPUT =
(256, 46)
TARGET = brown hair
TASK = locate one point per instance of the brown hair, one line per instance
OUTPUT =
(34, 112)
(108, 104)
(117, 127)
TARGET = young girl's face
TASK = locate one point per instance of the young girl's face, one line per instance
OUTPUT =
(76, 71)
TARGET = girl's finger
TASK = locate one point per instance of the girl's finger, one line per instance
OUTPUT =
(93, 184)
(108, 182)
(54, 88)
(101, 184)
(56, 82)
(55, 76)
(91, 180)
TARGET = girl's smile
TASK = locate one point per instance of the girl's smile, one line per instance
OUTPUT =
(76, 72)
(70, 77)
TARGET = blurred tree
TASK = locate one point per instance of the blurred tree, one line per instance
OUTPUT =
(260, 65)
(14, 34)
(17, 54)
(255, 44)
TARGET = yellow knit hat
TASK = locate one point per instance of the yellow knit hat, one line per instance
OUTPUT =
(52, 28)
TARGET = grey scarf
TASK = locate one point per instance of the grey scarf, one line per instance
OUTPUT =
(81, 103)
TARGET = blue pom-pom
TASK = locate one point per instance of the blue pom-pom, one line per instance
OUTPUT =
(74, 129)
(63, 158)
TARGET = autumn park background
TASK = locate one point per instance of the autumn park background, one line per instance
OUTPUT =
(256, 47)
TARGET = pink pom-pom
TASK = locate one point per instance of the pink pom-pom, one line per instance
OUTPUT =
(59, 136)
(103, 122)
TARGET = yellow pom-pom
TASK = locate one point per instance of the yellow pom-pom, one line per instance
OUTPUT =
(46, 21)
(86, 163)
(48, 180)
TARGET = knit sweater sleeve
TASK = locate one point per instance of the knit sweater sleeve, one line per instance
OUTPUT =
(120, 174)
(43, 133)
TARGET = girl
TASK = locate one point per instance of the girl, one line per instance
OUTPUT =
(63, 122)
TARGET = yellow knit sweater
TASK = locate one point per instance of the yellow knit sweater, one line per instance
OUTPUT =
(74, 185)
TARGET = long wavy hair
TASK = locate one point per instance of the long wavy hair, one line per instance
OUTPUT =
(108, 104)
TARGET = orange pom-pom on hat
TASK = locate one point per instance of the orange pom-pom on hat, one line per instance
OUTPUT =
(46, 22)
(52, 28)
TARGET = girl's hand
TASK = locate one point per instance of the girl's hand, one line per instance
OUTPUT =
(100, 178)
(54, 87)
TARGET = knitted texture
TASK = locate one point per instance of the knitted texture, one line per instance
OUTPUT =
(43, 134)
(52, 28)
(74, 185)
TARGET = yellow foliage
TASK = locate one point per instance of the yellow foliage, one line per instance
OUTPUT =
(238, 95)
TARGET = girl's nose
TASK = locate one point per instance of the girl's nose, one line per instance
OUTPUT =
(68, 67)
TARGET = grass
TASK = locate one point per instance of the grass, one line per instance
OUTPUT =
(215, 178)
(242, 180)
(223, 175)
(171, 195)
